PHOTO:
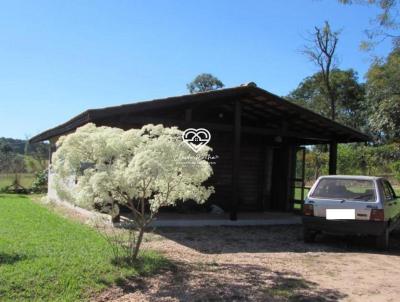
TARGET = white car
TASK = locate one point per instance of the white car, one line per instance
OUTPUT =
(359, 205)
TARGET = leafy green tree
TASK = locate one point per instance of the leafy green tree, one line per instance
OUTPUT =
(204, 82)
(356, 159)
(10, 162)
(316, 163)
(350, 105)
(368, 159)
(383, 94)
(396, 169)
(385, 25)
(350, 161)
(39, 184)
(36, 156)
(5, 148)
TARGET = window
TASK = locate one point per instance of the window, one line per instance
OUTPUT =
(387, 190)
(345, 189)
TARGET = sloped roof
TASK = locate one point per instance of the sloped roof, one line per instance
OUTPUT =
(261, 99)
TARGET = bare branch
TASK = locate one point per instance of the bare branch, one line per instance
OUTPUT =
(321, 51)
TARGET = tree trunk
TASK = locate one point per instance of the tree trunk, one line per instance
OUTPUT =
(142, 220)
(333, 106)
(331, 96)
(138, 243)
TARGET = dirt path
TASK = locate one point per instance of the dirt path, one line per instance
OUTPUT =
(265, 264)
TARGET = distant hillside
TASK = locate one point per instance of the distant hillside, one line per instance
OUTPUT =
(18, 146)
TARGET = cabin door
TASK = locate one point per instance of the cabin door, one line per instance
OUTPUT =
(298, 179)
(250, 178)
(280, 179)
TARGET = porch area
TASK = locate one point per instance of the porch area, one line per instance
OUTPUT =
(206, 219)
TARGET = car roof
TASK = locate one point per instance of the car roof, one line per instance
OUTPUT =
(360, 177)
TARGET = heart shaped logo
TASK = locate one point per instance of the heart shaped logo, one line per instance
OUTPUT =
(196, 138)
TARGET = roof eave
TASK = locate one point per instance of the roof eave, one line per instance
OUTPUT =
(92, 115)
(70, 125)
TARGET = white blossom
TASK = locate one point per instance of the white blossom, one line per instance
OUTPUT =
(151, 163)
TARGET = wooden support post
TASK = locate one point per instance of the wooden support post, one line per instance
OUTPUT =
(332, 158)
(303, 174)
(237, 129)
(50, 151)
(52, 148)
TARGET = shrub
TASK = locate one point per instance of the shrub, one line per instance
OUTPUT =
(39, 184)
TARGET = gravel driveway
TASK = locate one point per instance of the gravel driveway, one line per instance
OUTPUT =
(264, 264)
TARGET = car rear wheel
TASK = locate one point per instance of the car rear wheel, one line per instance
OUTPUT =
(309, 235)
(382, 241)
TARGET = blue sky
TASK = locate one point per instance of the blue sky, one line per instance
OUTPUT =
(58, 58)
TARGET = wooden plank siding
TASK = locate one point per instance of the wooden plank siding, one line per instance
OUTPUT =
(222, 177)
(250, 178)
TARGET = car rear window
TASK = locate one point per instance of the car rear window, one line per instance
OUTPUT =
(345, 189)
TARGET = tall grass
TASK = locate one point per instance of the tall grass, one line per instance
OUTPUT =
(7, 179)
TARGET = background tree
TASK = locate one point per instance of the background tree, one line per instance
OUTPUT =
(316, 162)
(204, 82)
(21, 164)
(36, 156)
(383, 94)
(321, 51)
(350, 104)
(5, 157)
(143, 169)
(12, 163)
(385, 25)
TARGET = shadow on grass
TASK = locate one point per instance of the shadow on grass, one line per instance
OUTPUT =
(13, 196)
(6, 258)
(223, 282)
(147, 264)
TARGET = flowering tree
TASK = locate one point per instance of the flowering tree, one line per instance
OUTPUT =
(143, 169)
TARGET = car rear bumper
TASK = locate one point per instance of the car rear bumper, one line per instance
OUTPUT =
(348, 227)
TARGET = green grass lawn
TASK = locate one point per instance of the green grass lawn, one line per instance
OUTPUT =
(46, 257)
(26, 179)
(297, 196)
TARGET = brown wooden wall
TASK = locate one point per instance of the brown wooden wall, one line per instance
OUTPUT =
(265, 173)
(264, 177)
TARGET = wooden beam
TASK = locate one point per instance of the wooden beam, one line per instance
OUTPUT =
(224, 127)
(237, 129)
(332, 158)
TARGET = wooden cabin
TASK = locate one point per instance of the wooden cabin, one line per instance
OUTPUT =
(259, 139)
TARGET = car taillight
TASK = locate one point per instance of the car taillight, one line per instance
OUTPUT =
(377, 215)
(308, 210)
